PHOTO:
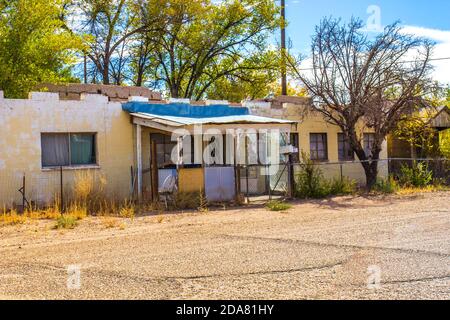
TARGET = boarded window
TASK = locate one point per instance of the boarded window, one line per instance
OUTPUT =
(318, 146)
(68, 149)
(369, 140)
(344, 149)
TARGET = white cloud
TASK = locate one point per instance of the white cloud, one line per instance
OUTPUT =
(441, 50)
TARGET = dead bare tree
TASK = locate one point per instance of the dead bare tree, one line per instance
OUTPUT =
(358, 80)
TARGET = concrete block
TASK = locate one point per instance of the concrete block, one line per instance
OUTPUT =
(137, 99)
(176, 100)
(43, 96)
(216, 102)
(94, 98)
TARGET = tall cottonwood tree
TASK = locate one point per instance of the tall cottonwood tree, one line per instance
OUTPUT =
(356, 79)
(204, 42)
(112, 26)
(34, 46)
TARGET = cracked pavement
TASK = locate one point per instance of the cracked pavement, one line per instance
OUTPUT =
(316, 250)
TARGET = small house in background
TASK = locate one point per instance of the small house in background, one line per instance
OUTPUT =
(439, 121)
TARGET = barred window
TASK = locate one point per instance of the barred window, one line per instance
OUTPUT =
(344, 149)
(369, 140)
(318, 146)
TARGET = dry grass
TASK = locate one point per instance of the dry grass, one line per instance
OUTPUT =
(127, 210)
(427, 189)
(78, 211)
(110, 222)
(160, 219)
(11, 218)
(66, 221)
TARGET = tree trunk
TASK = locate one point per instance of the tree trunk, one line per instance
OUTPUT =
(371, 171)
(370, 164)
(174, 92)
(105, 73)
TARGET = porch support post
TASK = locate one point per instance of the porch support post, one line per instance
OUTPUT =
(139, 160)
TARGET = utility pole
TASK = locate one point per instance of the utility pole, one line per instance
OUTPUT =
(283, 49)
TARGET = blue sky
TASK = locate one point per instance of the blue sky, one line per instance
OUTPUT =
(429, 18)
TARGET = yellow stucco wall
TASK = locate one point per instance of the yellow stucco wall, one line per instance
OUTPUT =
(23, 121)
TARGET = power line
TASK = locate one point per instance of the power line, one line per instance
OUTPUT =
(433, 59)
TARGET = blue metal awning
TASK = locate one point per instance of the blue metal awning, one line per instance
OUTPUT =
(183, 114)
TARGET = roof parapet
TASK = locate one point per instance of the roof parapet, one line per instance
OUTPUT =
(43, 96)
(138, 99)
(97, 98)
(216, 102)
(178, 100)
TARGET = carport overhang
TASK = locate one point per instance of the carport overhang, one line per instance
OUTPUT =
(244, 122)
(169, 124)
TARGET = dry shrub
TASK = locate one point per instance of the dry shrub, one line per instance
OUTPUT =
(191, 200)
(50, 212)
(11, 218)
(78, 211)
(187, 200)
(110, 222)
(127, 210)
(66, 221)
(89, 191)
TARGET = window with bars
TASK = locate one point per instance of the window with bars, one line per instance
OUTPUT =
(68, 149)
(318, 146)
(369, 140)
(344, 150)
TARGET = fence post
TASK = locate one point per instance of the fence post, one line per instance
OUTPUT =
(61, 189)
(246, 182)
(291, 178)
(342, 174)
(23, 192)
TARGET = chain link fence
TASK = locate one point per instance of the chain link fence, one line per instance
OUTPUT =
(21, 190)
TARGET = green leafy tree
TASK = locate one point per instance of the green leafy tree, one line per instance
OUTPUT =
(415, 130)
(206, 46)
(112, 29)
(34, 46)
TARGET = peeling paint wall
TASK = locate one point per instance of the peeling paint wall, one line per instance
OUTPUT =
(23, 121)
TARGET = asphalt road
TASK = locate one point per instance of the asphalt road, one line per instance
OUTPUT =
(343, 248)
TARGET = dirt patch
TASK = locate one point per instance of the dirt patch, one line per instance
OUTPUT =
(316, 249)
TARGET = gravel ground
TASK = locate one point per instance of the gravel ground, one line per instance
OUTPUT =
(316, 250)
